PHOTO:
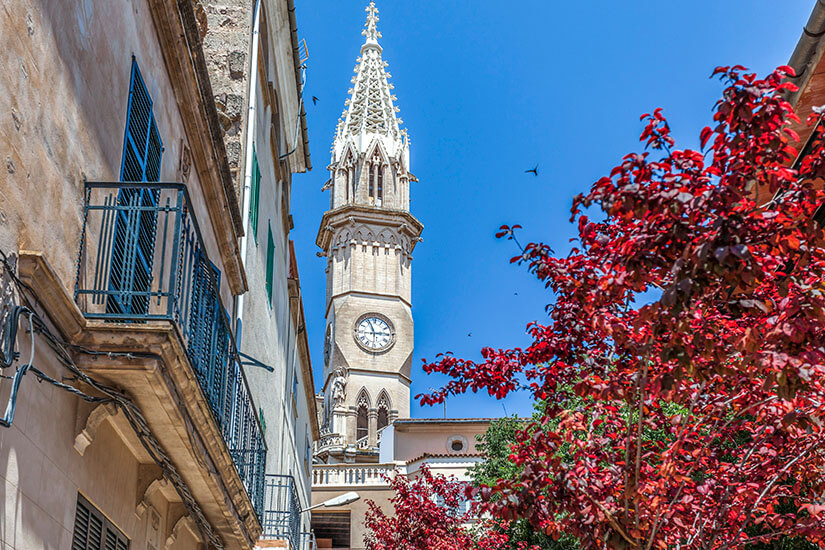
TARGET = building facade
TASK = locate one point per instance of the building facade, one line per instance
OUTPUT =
(138, 409)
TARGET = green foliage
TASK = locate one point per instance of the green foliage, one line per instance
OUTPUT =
(495, 444)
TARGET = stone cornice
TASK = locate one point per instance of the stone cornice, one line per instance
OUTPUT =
(353, 214)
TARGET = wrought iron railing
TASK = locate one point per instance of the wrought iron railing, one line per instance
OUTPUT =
(142, 259)
(282, 510)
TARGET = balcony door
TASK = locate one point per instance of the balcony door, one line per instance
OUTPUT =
(136, 210)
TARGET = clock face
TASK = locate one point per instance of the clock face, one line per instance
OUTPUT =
(374, 333)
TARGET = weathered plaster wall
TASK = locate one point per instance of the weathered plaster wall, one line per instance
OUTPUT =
(64, 82)
(64, 86)
(41, 473)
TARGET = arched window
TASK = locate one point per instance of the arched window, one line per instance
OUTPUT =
(383, 410)
(383, 418)
(348, 175)
(362, 425)
(376, 178)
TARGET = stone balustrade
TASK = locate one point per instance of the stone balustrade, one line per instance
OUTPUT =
(326, 475)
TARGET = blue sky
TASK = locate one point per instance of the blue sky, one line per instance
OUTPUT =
(488, 89)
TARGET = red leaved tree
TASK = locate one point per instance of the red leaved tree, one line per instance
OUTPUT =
(428, 516)
(698, 417)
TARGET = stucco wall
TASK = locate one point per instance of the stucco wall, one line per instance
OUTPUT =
(41, 473)
(65, 68)
(64, 86)
(412, 441)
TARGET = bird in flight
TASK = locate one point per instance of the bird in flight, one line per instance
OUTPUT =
(534, 171)
(314, 100)
(469, 335)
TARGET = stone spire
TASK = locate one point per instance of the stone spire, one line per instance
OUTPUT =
(370, 112)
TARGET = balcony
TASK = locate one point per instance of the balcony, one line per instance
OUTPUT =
(282, 511)
(351, 475)
(147, 289)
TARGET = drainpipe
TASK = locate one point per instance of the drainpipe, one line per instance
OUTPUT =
(250, 140)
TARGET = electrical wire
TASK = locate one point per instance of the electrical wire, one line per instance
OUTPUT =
(131, 412)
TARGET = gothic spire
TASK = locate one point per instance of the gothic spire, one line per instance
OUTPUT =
(370, 112)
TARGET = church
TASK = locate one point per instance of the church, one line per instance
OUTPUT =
(368, 236)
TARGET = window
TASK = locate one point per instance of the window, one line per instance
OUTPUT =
(308, 451)
(255, 195)
(383, 418)
(142, 146)
(92, 531)
(376, 178)
(295, 400)
(383, 410)
(362, 423)
(135, 221)
(270, 263)
(457, 444)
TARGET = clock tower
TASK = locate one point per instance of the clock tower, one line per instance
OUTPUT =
(367, 236)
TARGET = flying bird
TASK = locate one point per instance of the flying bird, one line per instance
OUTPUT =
(314, 100)
(534, 171)
(469, 335)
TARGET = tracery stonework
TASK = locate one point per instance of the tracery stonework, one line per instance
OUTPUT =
(368, 236)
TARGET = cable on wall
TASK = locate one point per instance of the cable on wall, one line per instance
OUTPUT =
(131, 412)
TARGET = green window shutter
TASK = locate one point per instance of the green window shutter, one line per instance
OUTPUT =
(256, 195)
(270, 263)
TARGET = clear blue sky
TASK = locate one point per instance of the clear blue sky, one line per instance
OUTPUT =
(487, 89)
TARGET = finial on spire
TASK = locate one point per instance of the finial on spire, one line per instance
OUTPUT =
(371, 27)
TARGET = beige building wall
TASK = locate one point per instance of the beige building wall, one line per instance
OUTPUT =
(65, 70)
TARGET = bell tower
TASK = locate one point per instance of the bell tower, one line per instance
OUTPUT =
(367, 236)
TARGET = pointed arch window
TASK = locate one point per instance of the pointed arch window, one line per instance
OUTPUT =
(376, 179)
(362, 422)
(383, 411)
(348, 170)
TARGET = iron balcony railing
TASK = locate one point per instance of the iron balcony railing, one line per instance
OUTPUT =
(142, 258)
(282, 510)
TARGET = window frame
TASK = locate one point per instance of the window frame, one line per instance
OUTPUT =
(255, 195)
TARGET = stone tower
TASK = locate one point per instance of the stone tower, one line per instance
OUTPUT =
(367, 236)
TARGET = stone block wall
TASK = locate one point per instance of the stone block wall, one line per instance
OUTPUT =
(226, 31)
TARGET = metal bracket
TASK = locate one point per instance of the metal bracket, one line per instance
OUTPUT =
(252, 362)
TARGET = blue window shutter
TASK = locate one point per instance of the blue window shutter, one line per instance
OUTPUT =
(142, 145)
(131, 273)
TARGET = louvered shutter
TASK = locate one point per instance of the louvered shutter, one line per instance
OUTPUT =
(92, 531)
(136, 218)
